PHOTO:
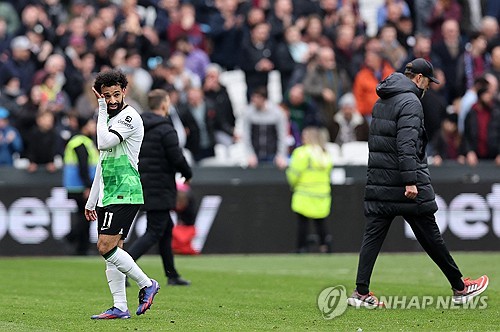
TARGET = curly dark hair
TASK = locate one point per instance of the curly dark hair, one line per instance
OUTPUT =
(110, 78)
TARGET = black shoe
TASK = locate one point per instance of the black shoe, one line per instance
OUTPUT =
(178, 282)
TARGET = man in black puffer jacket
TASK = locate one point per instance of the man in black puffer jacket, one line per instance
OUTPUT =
(399, 184)
(159, 160)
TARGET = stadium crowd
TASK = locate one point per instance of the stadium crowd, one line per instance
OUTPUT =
(328, 60)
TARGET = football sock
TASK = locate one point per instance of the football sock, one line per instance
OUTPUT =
(126, 264)
(116, 283)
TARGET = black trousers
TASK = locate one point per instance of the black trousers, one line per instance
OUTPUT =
(427, 233)
(80, 227)
(303, 231)
(158, 230)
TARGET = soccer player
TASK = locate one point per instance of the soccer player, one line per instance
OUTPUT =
(116, 193)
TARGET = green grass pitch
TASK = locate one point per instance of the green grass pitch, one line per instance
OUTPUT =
(240, 293)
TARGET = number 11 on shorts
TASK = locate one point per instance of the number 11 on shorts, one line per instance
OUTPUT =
(108, 216)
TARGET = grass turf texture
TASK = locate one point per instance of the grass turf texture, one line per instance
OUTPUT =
(239, 292)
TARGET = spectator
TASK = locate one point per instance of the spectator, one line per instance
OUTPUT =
(20, 64)
(329, 11)
(392, 50)
(176, 119)
(166, 13)
(470, 98)
(490, 29)
(482, 130)
(281, 18)
(421, 49)
(33, 18)
(42, 143)
(374, 70)
(81, 67)
(345, 49)
(133, 62)
(257, 58)
(5, 35)
(226, 32)
(423, 11)
(162, 72)
(448, 52)
(86, 103)
(434, 105)
(197, 60)
(472, 13)
(472, 63)
(313, 32)
(264, 131)
(182, 78)
(442, 11)
(55, 99)
(199, 118)
(349, 125)
(55, 65)
(186, 26)
(405, 32)
(132, 36)
(10, 139)
(495, 62)
(302, 112)
(217, 95)
(325, 82)
(9, 16)
(386, 12)
(309, 178)
(255, 15)
(41, 48)
(292, 56)
(446, 144)
(80, 161)
(14, 99)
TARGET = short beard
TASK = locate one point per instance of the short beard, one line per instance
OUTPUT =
(118, 109)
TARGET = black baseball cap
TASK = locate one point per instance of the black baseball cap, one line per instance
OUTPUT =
(421, 66)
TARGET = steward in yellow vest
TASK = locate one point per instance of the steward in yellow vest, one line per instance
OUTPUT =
(308, 175)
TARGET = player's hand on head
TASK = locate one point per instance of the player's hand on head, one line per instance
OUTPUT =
(97, 94)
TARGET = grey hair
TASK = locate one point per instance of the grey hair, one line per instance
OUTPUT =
(213, 67)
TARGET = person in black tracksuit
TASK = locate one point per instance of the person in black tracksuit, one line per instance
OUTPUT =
(398, 181)
(159, 160)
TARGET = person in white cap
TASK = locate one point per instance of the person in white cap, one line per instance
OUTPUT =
(20, 63)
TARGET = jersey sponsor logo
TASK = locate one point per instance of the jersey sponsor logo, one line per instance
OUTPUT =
(126, 122)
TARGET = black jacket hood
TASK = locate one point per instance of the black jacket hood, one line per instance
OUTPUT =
(152, 120)
(397, 83)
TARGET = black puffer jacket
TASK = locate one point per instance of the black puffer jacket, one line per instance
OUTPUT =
(397, 151)
(160, 158)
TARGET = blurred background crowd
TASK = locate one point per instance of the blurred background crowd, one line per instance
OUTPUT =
(245, 77)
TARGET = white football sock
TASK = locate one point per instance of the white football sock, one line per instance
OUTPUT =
(126, 264)
(116, 283)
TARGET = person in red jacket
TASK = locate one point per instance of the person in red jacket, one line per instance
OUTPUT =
(375, 69)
